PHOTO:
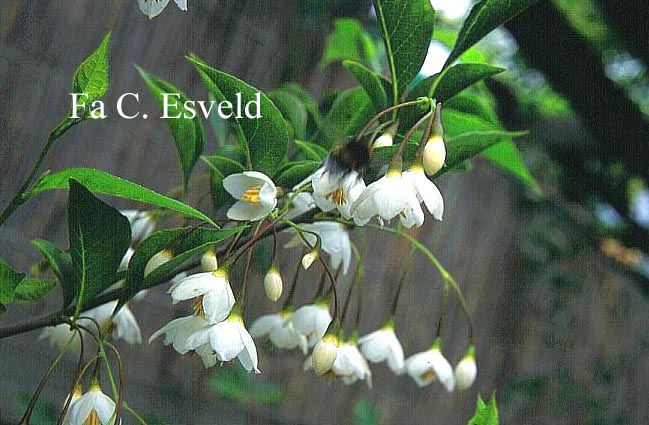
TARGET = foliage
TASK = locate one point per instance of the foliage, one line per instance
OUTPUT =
(485, 414)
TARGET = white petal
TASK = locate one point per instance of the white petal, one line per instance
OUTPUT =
(247, 211)
(218, 303)
(126, 326)
(194, 286)
(248, 356)
(431, 196)
(182, 4)
(225, 339)
(265, 324)
(152, 8)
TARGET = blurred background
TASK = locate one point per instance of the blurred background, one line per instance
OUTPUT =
(558, 285)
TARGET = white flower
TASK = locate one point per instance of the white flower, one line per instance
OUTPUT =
(255, 192)
(334, 239)
(209, 262)
(273, 284)
(158, 260)
(434, 155)
(59, 335)
(123, 324)
(142, 224)
(74, 397)
(466, 371)
(153, 8)
(336, 187)
(280, 331)
(94, 407)
(177, 331)
(387, 198)
(229, 339)
(213, 291)
(311, 321)
(302, 202)
(207, 355)
(429, 366)
(383, 141)
(350, 365)
(309, 258)
(324, 354)
(382, 345)
(425, 190)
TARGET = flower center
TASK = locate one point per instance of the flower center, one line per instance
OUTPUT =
(92, 419)
(198, 306)
(428, 375)
(338, 196)
(251, 195)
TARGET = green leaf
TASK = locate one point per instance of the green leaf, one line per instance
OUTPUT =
(188, 133)
(311, 106)
(295, 172)
(30, 290)
(221, 168)
(407, 28)
(373, 83)
(349, 113)
(266, 139)
(91, 77)
(108, 184)
(99, 238)
(9, 280)
(349, 41)
(184, 242)
(507, 156)
(366, 413)
(61, 264)
(485, 16)
(467, 145)
(459, 77)
(485, 414)
(311, 150)
(293, 111)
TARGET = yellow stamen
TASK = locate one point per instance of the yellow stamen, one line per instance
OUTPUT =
(198, 306)
(92, 419)
(338, 196)
(251, 195)
(428, 375)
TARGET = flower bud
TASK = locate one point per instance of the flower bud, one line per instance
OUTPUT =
(385, 140)
(324, 354)
(273, 284)
(208, 261)
(434, 155)
(309, 258)
(466, 371)
(157, 260)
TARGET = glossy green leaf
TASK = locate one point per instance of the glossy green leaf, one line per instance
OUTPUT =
(312, 151)
(349, 41)
(293, 111)
(293, 173)
(99, 238)
(185, 243)
(265, 139)
(188, 133)
(310, 104)
(60, 263)
(407, 28)
(108, 184)
(468, 145)
(30, 290)
(373, 84)
(507, 156)
(91, 77)
(9, 280)
(485, 414)
(484, 17)
(221, 168)
(349, 113)
(459, 77)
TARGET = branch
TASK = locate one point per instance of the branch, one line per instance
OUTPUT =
(61, 316)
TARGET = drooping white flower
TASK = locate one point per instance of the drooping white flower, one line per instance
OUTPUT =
(428, 366)
(74, 397)
(383, 345)
(334, 239)
(58, 336)
(158, 260)
(94, 407)
(325, 354)
(386, 198)
(213, 291)
(350, 365)
(123, 324)
(426, 191)
(309, 258)
(229, 340)
(383, 141)
(312, 321)
(273, 284)
(153, 8)
(466, 370)
(336, 187)
(209, 262)
(434, 155)
(255, 192)
(142, 224)
(177, 331)
(280, 331)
